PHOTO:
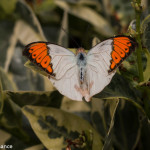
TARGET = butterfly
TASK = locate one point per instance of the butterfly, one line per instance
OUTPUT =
(81, 75)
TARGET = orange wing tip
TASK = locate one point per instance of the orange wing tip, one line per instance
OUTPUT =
(123, 46)
(38, 53)
(31, 47)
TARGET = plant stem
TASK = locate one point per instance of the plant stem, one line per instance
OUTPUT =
(138, 12)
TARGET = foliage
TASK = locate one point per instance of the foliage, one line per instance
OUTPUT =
(33, 115)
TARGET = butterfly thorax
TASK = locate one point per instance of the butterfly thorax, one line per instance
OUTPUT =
(81, 62)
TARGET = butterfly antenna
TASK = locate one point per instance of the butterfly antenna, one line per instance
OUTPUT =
(86, 32)
(71, 37)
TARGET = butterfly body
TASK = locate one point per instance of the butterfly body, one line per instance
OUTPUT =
(84, 74)
(81, 63)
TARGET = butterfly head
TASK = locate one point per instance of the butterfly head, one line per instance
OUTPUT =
(80, 50)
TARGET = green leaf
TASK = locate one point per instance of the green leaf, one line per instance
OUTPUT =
(45, 5)
(24, 78)
(34, 67)
(129, 71)
(4, 136)
(90, 15)
(32, 26)
(79, 108)
(75, 106)
(21, 31)
(123, 10)
(121, 88)
(95, 41)
(17, 143)
(51, 98)
(118, 88)
(54, 126)
(109, 136)
(6, 29)
(146, 99)
(11, 120)
(147, 70)
(36, 147)
(145, 28)
(115, 122)
(9, 139)
(145, 132)
(126, 132)
(63, 35)
(83, 2)
(145, 23)
(6, 81)
(8, 6)
(103, 114)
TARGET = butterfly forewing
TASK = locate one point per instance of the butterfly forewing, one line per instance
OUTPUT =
(38, 53)
(122, 48)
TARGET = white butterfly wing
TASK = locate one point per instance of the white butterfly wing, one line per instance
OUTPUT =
(98, 64)
(61, 59)
(65, 70)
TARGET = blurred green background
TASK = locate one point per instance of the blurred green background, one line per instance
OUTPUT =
(34, 115)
